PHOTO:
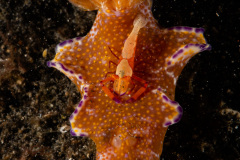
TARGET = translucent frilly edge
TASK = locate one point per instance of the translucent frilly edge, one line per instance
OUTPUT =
(176, 107)
(78, 131)
(187, 51)
(68, 72)
(75, 77)
(67, 43)
(84, 88)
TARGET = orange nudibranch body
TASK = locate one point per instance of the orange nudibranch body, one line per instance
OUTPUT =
(132, 130)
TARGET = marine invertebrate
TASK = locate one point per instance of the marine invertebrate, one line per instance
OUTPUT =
(133, 130)
(124, 70)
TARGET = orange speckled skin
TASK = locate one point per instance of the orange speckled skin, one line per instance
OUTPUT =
(133, 130)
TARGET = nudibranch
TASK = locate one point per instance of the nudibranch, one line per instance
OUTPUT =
(135, 129)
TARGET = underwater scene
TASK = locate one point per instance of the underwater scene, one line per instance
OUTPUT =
(119, 79)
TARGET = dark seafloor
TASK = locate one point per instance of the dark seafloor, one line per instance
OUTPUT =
(36, 101)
